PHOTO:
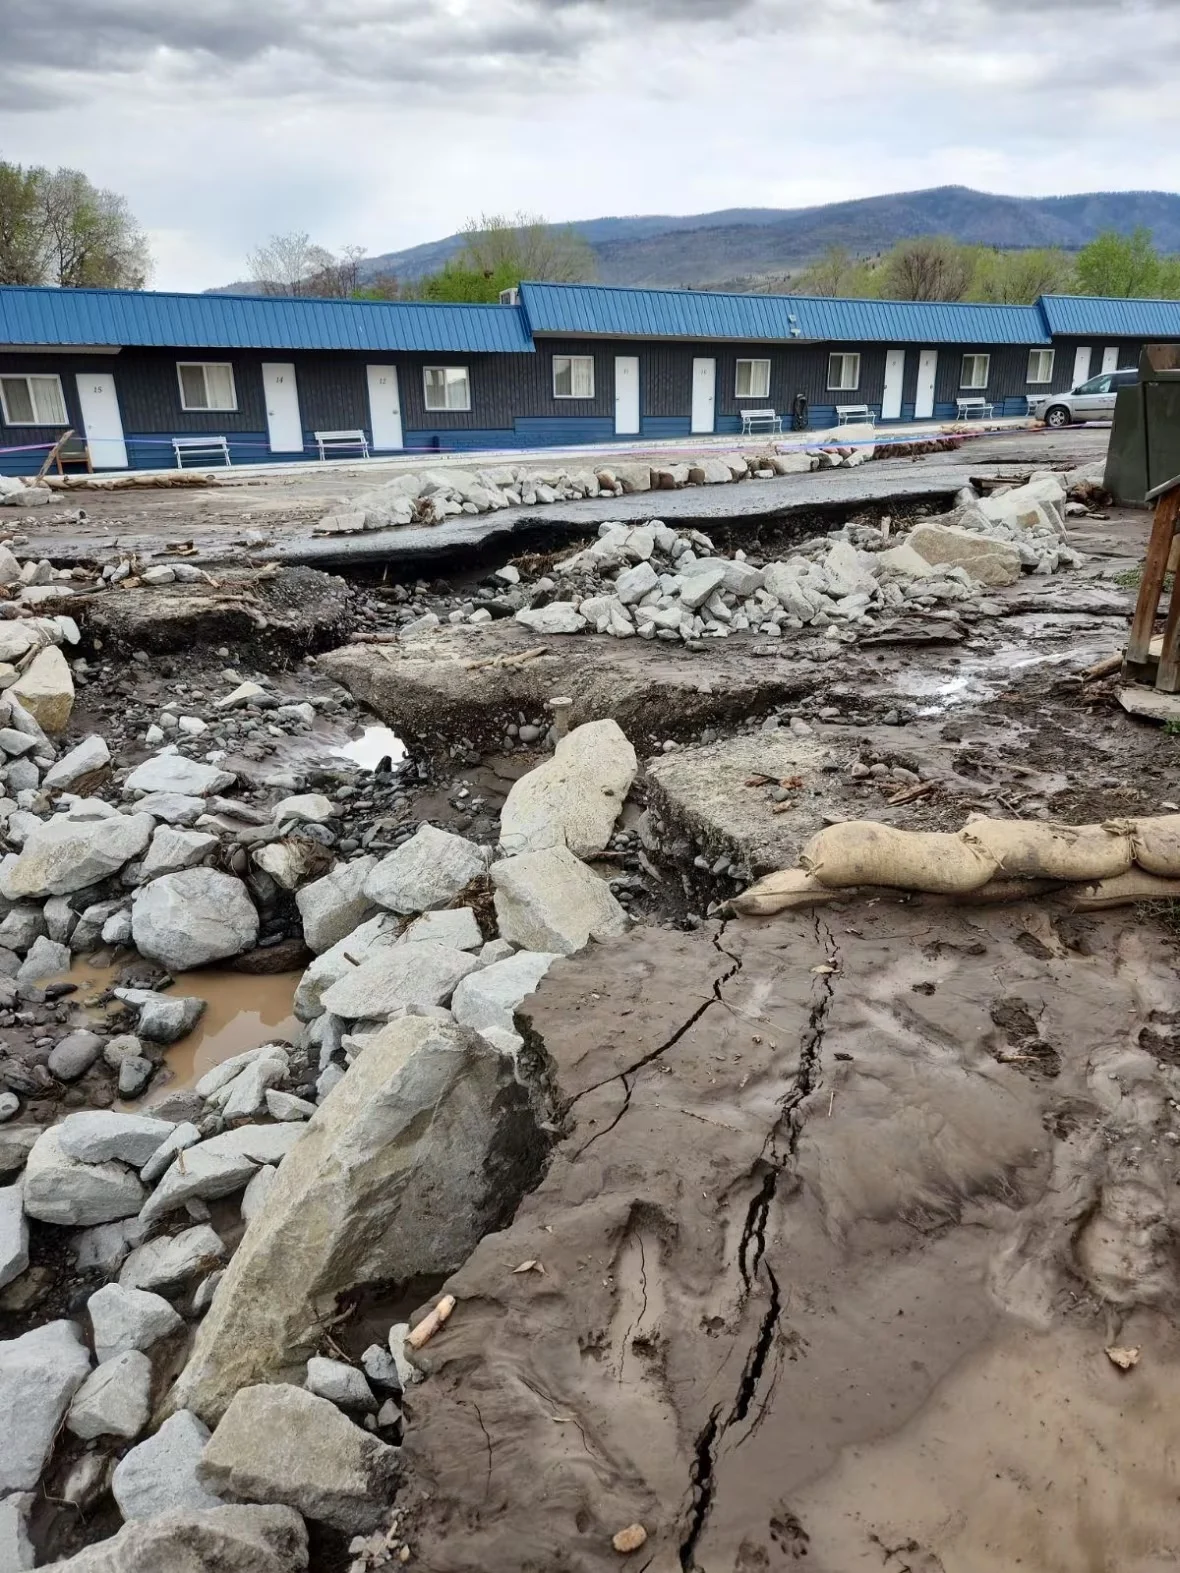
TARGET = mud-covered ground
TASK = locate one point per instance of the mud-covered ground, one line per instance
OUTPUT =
(843, 1212)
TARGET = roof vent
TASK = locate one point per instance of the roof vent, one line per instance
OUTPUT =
(796, 330)
(510, 297)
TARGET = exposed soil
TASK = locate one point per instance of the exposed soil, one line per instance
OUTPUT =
(843, 1210)
(827, 1272)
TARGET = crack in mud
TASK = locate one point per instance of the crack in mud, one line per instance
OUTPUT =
(627, 1076)
(751, 1255)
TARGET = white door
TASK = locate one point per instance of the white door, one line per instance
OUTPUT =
(1081, 365)
(626, 395)
(927, 375)
(101, 421)
(282, 407)
(704, 395)
(1110, 358)
(385, 409)
(894, 377)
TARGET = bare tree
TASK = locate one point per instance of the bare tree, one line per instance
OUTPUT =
(932, 267)
(290, 264)
(525, 245)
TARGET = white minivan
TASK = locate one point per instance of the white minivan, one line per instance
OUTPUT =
(1089, 401)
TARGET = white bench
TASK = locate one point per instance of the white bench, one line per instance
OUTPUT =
(975, 409)
(200, 448)
(336, 440)
(764, 418)
(855, 415)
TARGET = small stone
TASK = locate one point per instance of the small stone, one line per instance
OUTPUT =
(125, 1319)
(39, 1374)
(160, 1475)
(98, 1135)
(341, 1384)
(172, 1260)
(163, 1018)
(16, 1549)
(46, 959)
(115, 1400)
(74, 1055)
(629, 1539)
(286, 1106)
(134, 1075)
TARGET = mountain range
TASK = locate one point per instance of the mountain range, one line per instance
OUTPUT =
(739, 247)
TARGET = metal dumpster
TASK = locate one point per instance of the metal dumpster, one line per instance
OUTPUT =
(1144, 447)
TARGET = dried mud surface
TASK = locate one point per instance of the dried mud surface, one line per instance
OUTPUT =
(845, 1214)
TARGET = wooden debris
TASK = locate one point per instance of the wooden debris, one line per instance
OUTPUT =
(431, 1322)
(911, 794)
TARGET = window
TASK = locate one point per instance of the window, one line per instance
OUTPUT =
(447, 388)
(753, 379)
(976, 370)
(573, 376)
(33, 401)
(844, 373)
(206, 385)
(1040, 366)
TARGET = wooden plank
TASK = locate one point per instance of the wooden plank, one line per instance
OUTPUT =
(1167, 673)
(1155, 566)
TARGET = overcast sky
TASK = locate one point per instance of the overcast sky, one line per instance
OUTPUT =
(388, 122)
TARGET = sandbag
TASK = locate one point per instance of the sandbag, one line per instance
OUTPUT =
(862, 852)
(784, 889)
(1124, 891)
(1039, 849)
(1156, 844)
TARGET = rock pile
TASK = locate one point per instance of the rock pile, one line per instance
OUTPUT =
(401, 1126)
(430, 496)
(659, 583)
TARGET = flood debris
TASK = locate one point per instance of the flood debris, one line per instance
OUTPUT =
(567, 1213)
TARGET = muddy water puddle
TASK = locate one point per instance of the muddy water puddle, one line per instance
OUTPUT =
(242, 1012)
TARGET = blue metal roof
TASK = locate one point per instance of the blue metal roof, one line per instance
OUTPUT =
(1100, 317)
(133, 318)
(697, 314)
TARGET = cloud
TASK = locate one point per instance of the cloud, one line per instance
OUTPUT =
(388, 122)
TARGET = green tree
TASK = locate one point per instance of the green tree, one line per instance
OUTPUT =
(457, 281)
(838, 273)
(526, 245)
(57, 228)
(1018, 278)
(1125, 266)
(21, 239)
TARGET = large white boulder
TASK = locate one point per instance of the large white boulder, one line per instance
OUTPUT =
(375, 934)
(333, 906)
(98, 1135)
(559, 617)
(173, 1259)
(392, 1179)
(14, 1234)
(417, 974)
(429, 870)
(81, 769)
(172, 850)
(39, 1375)
(189, 919)
(278, 1443)
(160, 1475)
(227, 1539)
(488, 998)
(16, 1549)
(173, 773)
(114, 1400)
(550, 901)
(65, 854)
(573, 799)
(46, 689)
(124, 1319)
(62, 1190)
(454, 926)
(989, 562)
